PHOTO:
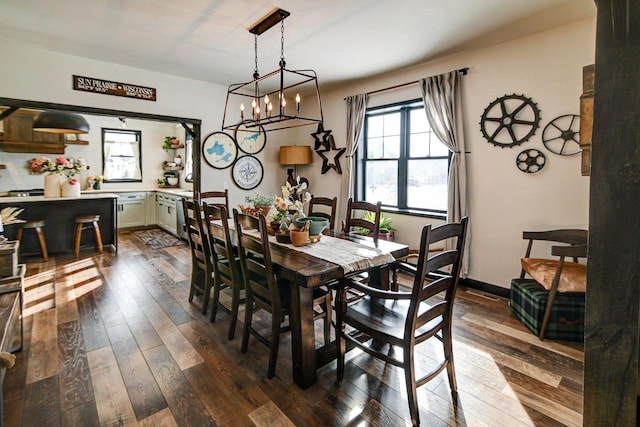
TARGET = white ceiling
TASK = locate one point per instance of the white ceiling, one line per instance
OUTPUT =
(341, 40)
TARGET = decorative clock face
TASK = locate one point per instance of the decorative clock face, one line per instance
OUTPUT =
(247, 172)
(219, 149)
(251, 139)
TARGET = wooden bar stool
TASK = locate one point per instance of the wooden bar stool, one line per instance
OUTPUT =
(38, 225)
(83, 222)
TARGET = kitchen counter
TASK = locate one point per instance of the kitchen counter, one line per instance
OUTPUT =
(84, 196)
(59, 215)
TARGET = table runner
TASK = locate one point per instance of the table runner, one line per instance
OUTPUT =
(348, 254)
(351, 256)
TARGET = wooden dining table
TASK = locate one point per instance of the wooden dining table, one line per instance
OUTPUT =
(306, 272)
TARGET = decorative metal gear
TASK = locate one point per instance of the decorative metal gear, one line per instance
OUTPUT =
(530, 161)
(562, 135)
(499, 120)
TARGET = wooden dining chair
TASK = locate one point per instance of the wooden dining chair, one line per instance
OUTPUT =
(318, 206)
(263, 289)
(202, 276)
(266, 291)
(226, 265)
(355, 222)
(390, 319)
(222, 198)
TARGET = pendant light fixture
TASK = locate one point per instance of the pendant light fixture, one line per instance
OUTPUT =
(60, 122)
(281, 99)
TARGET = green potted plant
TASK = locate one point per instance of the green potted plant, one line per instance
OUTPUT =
(386, 231)
(261, 202)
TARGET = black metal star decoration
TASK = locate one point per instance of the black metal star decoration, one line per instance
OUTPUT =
(321, 138)
(335, 159)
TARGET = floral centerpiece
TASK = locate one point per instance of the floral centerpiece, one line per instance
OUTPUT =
(291, 205)
(61, 166)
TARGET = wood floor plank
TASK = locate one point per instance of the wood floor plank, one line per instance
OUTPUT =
(84, 415)
(144, 393)
(93, 331)
(269, 415)
(74, 375)
(112, 400)
(162, 418)
(42, 403)
(181, 350)
(224, 410)
(185, 405)
(548, 407)
(43, 360)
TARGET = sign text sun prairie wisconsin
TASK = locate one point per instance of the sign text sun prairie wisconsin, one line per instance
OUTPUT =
(89, 84)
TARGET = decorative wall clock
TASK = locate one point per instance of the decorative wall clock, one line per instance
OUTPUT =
(510, 120)
(250, 139)
(219, 149)
(247, 172)
(562, 135)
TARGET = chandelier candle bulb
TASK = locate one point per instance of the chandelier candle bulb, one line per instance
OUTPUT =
(298, 102)
(241, 111)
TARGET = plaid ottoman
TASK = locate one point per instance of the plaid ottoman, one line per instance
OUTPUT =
(529, 300)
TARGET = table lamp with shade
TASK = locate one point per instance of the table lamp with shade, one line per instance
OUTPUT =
(295, 155)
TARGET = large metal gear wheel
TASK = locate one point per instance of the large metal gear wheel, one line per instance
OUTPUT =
(510, 120)
(562, 135)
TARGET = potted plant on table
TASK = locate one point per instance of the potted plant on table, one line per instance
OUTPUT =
(386, 231)
(261, 203)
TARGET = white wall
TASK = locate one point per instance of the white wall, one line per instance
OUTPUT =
(503, 201)
(546, 67)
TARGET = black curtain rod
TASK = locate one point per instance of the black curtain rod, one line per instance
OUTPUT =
(462, 71)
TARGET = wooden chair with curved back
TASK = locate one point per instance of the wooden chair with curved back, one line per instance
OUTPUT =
(406, 319)
(201, 264)
(355, 210)
(552, 303)
(318, 206)
(226, 265)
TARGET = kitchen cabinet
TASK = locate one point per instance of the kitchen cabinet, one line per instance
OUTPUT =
(131, 209)
(166, 213)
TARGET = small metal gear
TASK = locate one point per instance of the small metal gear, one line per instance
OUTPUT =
(531, 161)
(499, 120)
(562, 135)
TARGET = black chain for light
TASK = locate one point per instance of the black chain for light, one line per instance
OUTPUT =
(255, 71)
(282, 62)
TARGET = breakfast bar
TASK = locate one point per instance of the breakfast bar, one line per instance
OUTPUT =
(59, 214)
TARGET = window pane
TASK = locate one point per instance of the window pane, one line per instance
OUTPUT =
(437, 147)
(382, 182)
(427, 184)
(419, 122)
(375, 149)
(419, 145)
(375, 126)
(391, 147)
(392, 124)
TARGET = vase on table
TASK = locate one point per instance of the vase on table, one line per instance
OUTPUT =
(71, 188)
(52, 185)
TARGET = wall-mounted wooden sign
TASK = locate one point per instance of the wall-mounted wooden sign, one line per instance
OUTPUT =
(89, 84)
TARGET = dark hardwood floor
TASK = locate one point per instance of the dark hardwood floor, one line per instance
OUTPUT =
(122, 346)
